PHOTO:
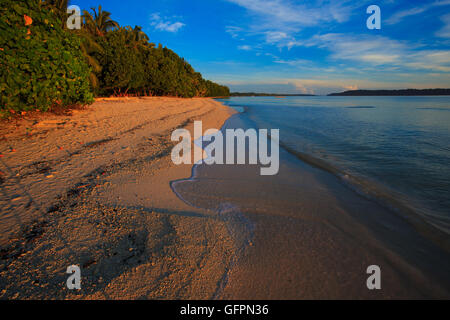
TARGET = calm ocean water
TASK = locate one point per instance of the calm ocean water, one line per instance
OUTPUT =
(395, 146)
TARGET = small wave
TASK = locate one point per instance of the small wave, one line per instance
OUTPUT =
(434, 109)
(361, 107)
(436, 230)
(240, 109)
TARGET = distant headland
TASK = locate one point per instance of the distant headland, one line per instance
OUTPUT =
(404, 92)
(254, 94)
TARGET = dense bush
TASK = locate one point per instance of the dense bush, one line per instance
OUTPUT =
(41, 64)
(132, 66)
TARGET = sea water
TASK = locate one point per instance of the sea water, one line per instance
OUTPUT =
(396, 146)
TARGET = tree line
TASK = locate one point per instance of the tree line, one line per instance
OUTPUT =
(43, 64)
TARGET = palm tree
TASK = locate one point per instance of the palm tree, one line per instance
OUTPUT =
(99, 23)
(89, 47)
(60, 7)
(95, 25)
(139, 35)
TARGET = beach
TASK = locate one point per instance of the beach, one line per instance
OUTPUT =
(93, 189)
(98, 189)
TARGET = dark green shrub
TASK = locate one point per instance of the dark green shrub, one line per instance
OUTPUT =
(41, 64)
(135, 67)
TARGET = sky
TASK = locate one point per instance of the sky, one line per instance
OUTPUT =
(294, 46)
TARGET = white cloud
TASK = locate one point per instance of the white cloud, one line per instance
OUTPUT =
(278, 21)
(397, 17)
(379, 51)
(295, 62)
(434, 60)
(306, 14)
(445, 31)
(276, 36)
(280, 11)
(245, 48)
(233, 31)
(164, 24)
(376, 50)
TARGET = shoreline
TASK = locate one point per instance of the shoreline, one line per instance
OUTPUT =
(307, 199)
(110, 206)
(432, 227)
(102, 201)
(376, 193)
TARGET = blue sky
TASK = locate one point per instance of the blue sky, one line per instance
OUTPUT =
(287, 46)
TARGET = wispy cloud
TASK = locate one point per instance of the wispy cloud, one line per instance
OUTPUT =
(165, 24)
(233, 31)
(280, 12)
(400, 15)
(305, 14)
(445, 31)
(381, 51)
(294, 62)
(376, 50)
(434, 60)
(279, 22)
(276, 36)
(245, 47)
(397, 17)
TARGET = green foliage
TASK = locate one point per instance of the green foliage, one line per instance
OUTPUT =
(99, 22)
(59, 7)
(41, 64)
(132, 65)
(122, 68)
(216, 90)
(129, 64)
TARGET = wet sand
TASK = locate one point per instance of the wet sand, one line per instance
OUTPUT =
(313, 237)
